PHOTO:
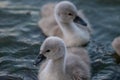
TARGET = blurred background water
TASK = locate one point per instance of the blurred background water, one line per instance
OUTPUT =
(20, 37)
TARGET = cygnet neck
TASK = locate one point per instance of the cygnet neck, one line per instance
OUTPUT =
(58, 63)
(59, 60)
(57, 67)
(69, 28)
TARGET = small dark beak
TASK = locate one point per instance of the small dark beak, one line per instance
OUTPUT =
(80, 21)
(39, 59)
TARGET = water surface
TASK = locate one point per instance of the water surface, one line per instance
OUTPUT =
(20, 37)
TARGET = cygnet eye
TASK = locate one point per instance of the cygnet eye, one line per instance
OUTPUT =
(48, 50)
(70, 14)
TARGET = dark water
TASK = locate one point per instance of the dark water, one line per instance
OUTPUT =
(20, 37)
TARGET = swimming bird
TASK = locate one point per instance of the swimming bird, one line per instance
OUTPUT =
(63, 64)
(116, 45)
(67, 23)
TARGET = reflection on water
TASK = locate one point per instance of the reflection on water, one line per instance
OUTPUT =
(20, 37)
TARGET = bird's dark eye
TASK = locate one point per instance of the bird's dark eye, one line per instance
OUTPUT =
(48, 50)
(70, 14)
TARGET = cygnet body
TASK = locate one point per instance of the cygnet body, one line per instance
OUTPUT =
(71, 24)
(48, 23)
(116, 45)
(49, 27)
(47, 10)
(62, 64)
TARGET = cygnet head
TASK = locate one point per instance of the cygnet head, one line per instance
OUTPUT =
(66, 12)
(52, 48)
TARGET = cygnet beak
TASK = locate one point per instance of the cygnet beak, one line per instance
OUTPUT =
(80, 21)
(39, 59)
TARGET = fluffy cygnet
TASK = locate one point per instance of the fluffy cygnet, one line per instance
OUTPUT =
(63, 65)
(68, 23)
(75, 29)
(116, 45)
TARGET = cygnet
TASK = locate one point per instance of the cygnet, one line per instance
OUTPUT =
(116, 45)
(61, 63)
(68, 23)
